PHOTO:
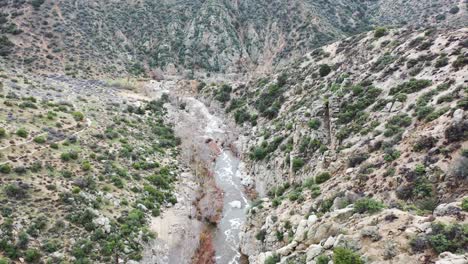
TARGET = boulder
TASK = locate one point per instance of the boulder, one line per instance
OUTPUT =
(286, 250)
(450, 258)
(313, 251)
(447, 209)
(301, 231)
(329, 243)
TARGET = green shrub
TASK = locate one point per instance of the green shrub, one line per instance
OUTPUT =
(22, 133)
(345, 256)
(324, 70)
(78, 116)
(5, 168)
(410, 86)
(32, 255)
(273, 259)
(297, 164)
(224, 93)
(2, 132)
(67, 156)
(322, 177)
(452, 238)
(322, 259)
(464, 204)
(40, 140)
(380, 32)
(368, 205)
(86, 165)
(261, 235)
(6, 46)
(314, 124)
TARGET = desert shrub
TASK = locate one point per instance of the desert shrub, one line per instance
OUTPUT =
(357, 159)
(367, 205)
(67, 156)
(424, 142)
(295, 195)
(2, 132)
(261, 235)
(273, 259)
(452, 238)
(380, 32)
(410, 86)
(22, 133)
(37, 3)
(224, 93)
(322, 259)
(20, 169)
(5, 168)
(395, 124)
(460, 62)
(297, 164)
(442, 61)
(345, 256)
(86, 165)
(314, 123)
(457, 132)
(391, 154)
(6, 46)
(324, 70)
(454, 10)
(269, 101)
(242, 115)
(16, 191)
(322, 177)
(423, 111)
(464, 204)
(32, 255)
(40, 139)
(78, 116)
(50, 246)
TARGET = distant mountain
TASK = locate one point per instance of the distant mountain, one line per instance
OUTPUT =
(114, 37)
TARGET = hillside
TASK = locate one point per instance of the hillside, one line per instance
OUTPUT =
(240, 132)
(102, 38)
(360, 144)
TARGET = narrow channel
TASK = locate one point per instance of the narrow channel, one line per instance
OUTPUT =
(226, 237)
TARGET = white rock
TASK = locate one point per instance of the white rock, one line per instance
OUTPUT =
(286, 250)
(236, 204)
(349, 170)
(311, 220)
(313, 251)
(458, 115)
(329, 243)
(450, 258)
(301, 230)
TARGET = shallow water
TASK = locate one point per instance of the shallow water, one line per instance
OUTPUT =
(226, 237)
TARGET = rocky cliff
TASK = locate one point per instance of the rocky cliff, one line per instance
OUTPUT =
(358, 149)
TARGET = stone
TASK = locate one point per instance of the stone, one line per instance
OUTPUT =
(329, 243)
(313, 251)
(446, 209)
(311, 219)
(286, 250)
(450, 258)
(458, 116)
(301, 231)
(371, 232)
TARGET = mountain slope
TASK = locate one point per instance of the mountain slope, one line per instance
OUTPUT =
(115, 37)
(377, 120)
